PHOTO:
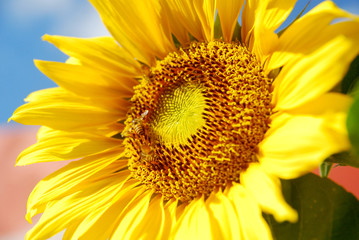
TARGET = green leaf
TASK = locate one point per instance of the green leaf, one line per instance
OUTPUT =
(353, 125)
(352, 77)
(326, 211)
(344, 159)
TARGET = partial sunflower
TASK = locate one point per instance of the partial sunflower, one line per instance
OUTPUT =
(181, 135)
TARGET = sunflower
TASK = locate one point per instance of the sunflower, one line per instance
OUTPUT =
(183, 123)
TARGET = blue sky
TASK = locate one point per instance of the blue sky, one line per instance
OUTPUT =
(23, 22)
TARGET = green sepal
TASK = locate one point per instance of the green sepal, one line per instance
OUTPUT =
(325, 168)
(218, 34)
(326, 211)
(237, 33)
(118, 136)
(344, 159)
(175, 41)
(350, 80)
(353, 125)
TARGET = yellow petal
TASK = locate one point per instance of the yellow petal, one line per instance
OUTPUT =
(106, 132)
(310, 76)
(301, 143)
(138, 27)
(72, 178)
(328, 104)
(248, 18)
(73, 208)
(266, 189)
(206, 10)
(69, 232)
(91, 221)
(106, 223)
(223, 217)
(194, 222)
(252, 224)
(228, 12)
(310, 32)
(66, 180)
(274, 13)
(60, 94)
(71, 60)
(152, 220)
(263, 43)
(132, 217)
(60, 145)
(269, 15)
(102, 53)
(170, 211)
(196, 16)
(176, 27)
(259, 21)
(151, 226)
(76, 78)
(61, 110)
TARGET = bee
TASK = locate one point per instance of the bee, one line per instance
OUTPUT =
(149, 157)
(136, 126)
(141, 138)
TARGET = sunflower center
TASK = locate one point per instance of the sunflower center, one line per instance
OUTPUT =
(197, 118)
(178, 114)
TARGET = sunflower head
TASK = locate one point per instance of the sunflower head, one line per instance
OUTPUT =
(197, 119)
(189, 132)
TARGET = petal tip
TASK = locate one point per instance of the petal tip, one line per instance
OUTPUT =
(286, 214)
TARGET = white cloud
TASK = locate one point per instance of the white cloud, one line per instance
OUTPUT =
(62, 17)
(27, 10)
(85, 23)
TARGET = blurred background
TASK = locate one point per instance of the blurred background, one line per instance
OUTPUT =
(22, 23)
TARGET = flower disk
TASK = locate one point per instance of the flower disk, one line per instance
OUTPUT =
(197, 119)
